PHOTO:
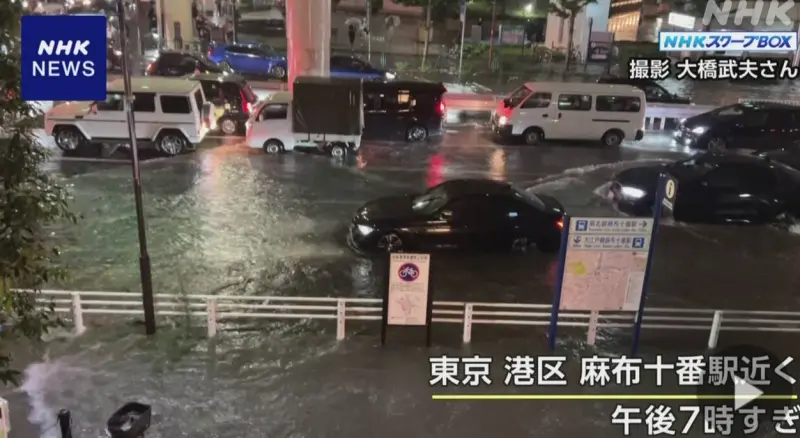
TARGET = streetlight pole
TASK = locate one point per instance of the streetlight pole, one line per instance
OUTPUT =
(144, 257)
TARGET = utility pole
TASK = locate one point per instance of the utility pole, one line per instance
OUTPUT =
(369, 37)
(144, 257)
(427, 33)
(491, 32)
(235, 21)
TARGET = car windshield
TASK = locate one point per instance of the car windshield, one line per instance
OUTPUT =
(728, 111)
(517, 96)
(431, 200)
(529, 198)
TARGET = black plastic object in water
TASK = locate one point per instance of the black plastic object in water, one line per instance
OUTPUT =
(65, 423)
(130, 421)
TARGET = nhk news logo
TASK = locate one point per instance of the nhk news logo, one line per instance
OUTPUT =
(64, 57)
(747, 378)
(727, 41)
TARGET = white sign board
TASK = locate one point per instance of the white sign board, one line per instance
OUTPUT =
(605, 263)
(409, 275)
(681, 20)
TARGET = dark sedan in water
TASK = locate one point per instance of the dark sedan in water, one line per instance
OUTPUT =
(715, 188)
(468, 213)
(756, 126)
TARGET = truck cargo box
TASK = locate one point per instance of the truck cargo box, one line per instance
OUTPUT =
(333, 106)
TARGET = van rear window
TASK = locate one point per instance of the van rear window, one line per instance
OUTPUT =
(620, 104)
(198, 98)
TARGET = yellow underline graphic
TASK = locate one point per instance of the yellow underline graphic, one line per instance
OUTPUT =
(608, 397)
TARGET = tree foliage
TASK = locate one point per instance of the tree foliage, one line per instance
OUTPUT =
(30, 201)
(568, 10)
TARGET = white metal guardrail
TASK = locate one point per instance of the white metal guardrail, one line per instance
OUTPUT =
(224, 308)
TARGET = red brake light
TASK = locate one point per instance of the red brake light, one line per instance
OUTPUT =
(560, 224)
(442, 108)
(245, 103)
(151, 67)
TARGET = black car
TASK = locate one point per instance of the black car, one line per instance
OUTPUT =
(468, 213)
(715, 187)
(403, 110)
(758, 126)
(232, 94)
(653, 92)
(176, 63)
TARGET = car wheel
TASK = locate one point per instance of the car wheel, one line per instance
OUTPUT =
(533, 136)
(338, 150)
(68, 138)
(273, 147)
(550, 244)
(389, 242)
(716, 144)
(519, 244)
(228, 126)
(416, 133)
(171, 143)
(278, 72)
(613, 138)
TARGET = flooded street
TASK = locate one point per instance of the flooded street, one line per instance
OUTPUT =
(236, 221)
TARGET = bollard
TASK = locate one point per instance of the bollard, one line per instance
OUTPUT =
(65, 423)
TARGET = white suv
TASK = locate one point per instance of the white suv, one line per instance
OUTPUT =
(171, 115)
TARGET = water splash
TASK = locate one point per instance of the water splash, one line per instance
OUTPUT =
(38, 378)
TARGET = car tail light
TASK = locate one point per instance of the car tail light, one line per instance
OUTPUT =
(560, 223)
(442, 108)
(245, 104)
(151, 68)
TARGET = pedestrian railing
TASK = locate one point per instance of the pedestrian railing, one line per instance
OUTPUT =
(218, 309)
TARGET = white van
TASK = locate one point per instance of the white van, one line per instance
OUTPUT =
(171, 115)
(571, 111)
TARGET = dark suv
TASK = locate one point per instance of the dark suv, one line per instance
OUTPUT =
(233, 98)
(653, 92)
(176, 63)
(756, 126)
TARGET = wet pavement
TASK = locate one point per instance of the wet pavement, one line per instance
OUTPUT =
(232, 220)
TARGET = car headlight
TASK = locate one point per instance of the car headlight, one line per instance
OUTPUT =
(118, 52)
(502, 120)
(632, 192)
(700, 130)
(364, 229)
(390, 75)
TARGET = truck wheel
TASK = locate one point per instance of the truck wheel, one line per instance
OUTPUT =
(416, 133)
(171, 143)
(68, 138)
(228, 126)
(273, 147)
(338, 150)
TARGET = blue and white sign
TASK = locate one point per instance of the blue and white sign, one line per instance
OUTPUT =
(64, 57)
(605, 263)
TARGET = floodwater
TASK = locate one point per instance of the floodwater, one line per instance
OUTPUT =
(231, 220)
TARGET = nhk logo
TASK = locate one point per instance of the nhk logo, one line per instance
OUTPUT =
(64, 57)
(58, 67)
(755, 10)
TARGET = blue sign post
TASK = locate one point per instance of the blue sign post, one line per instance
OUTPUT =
(665, 184)
(604, 264)
(64, 57)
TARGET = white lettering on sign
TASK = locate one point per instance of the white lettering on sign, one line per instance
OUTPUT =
(63, 68)
(776, 11)
(63, 47)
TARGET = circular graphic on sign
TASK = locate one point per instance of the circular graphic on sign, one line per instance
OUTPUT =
(408, 272)
(743, 379)
(670, 192)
